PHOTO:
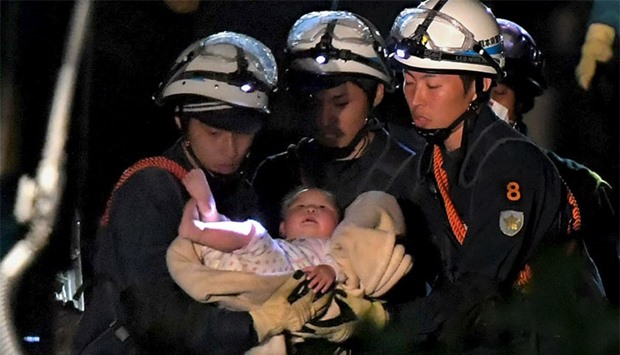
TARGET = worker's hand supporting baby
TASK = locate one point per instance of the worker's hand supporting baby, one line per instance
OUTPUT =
(289, 308)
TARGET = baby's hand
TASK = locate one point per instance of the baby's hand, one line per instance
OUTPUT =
(196, 184)
(321, 277)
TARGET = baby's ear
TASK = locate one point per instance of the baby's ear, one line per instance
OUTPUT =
(282, 230)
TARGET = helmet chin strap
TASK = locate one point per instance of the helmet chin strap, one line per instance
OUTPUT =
(221, 177)
(437, 136)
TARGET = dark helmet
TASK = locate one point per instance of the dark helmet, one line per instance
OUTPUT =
(524, 64)
(224, 79)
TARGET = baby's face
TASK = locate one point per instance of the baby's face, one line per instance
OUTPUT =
(312, 214)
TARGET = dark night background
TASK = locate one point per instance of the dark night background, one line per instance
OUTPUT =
(130, 47)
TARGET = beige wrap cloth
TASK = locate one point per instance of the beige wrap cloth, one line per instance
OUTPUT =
(364, 244)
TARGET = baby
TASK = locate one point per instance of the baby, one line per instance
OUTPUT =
(309, 217)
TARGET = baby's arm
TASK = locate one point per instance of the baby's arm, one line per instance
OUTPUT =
(224, 236)
(196, 184)
(321, 277)
(187, 228)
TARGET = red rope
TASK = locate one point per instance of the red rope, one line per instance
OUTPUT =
(152, 162)
(525, 276)
(458, 227)
(575, 222)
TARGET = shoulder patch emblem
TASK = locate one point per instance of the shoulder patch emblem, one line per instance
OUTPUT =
(510, 222)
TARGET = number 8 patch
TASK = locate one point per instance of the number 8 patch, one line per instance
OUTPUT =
(512, 191)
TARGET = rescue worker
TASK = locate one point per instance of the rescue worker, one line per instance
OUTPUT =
(219, 88)
(495, 205)
(337, 73)
(514, 97)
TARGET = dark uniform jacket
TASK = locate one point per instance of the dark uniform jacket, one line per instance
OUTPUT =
(386, 165)
(141, 299)
(514, 204)
(599, 222)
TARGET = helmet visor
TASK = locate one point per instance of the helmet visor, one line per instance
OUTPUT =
(233, 59)
(429, 34)
(309, 29)
(343, 37)
(255, 52)
(455, 38)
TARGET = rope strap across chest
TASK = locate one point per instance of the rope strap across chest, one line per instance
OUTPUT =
(458, 227)
(151, 162)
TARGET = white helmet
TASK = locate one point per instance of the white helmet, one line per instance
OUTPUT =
(449, 36)
(338, 43)
(228, 67)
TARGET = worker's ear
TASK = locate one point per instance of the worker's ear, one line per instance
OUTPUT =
(486, 84)
(177, 120)
(379, 95)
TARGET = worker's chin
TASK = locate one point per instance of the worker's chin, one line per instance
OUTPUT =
(226, 169)
(422, 122)
(330, 141)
